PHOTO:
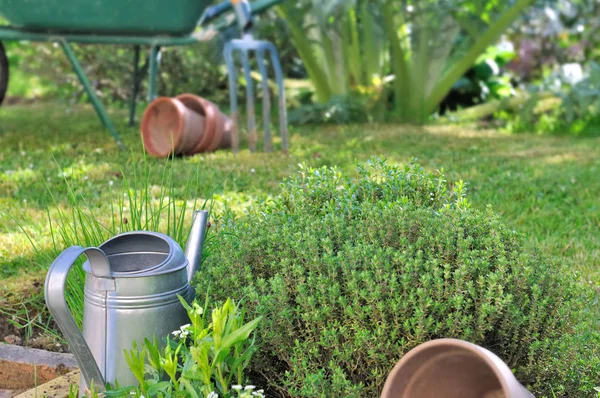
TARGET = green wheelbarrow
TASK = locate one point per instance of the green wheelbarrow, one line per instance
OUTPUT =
(150, 23)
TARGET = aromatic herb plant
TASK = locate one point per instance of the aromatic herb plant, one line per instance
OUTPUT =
(352, 272)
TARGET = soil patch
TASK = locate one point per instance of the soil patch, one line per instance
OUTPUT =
(24, 319)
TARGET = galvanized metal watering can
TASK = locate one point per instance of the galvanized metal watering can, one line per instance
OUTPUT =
(131, 287)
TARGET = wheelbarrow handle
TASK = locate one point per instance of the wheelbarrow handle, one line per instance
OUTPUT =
(216, 11)
(256, 7)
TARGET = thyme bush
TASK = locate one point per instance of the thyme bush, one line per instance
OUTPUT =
(349, 274)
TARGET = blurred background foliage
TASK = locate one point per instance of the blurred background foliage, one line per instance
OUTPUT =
(520, 65)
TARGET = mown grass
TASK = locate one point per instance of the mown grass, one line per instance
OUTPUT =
(545, 187)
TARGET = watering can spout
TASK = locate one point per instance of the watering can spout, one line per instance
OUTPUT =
(195, 242)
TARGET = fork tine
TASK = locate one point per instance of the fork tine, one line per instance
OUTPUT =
(249, 101)
(280, 94)
(266, 100)
(235, 138)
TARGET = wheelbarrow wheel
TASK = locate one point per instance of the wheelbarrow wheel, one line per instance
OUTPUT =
(3, 73)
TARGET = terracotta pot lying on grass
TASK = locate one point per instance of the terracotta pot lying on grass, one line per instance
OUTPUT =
(217, 130)
(452, 368)
(184, 125)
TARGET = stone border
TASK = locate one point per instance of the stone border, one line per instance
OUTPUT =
(15, 353)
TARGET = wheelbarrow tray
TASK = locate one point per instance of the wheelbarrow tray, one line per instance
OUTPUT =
(109, 17)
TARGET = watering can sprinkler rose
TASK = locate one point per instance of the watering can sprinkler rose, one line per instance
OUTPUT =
(132, 284)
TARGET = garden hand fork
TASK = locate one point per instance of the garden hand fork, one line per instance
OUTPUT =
(244, 46)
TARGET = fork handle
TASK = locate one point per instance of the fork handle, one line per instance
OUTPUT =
(243, 14)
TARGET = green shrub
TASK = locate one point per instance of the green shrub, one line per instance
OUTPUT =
(350, 274)
(338, 110)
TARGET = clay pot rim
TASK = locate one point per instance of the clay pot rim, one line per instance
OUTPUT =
(177, 135)
(448, 342)
(210, 116)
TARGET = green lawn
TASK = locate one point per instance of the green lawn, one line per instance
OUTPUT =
(545, 187)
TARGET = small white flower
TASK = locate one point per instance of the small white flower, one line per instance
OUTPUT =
(197, 310)
(237, 387)
(110, 183)
(213, 395)
(505, 45)
(252, 171)
(249, 388)
(183, 331)
(23, 153)
(572, 73)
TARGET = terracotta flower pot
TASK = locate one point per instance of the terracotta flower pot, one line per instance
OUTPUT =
(169, 127)
(217, 130)
(452, 368)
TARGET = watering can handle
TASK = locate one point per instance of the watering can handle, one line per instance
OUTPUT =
(54, 291)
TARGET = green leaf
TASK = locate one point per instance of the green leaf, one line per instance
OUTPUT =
(189, 388)
(119, 392)
(235, 337)
(153, 353)
(194, 374)
(243, 360)
(184, 303)
(466, 61)
(158, 387)
(306, 52)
